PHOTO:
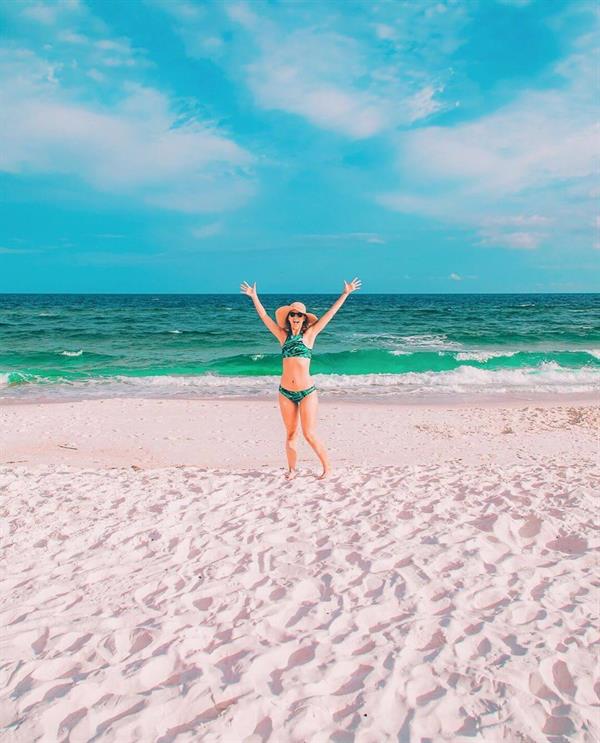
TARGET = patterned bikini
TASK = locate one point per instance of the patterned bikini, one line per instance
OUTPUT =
(294, 346)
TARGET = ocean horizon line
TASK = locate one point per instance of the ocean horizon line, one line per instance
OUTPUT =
(303, 291)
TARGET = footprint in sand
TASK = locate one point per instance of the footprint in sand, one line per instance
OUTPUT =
(569, 544)
(489, 598)
(563, 679)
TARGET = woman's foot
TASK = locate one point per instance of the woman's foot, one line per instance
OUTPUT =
(290, 474)
(324, 474)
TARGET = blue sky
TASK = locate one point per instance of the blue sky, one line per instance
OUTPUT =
(182, 146)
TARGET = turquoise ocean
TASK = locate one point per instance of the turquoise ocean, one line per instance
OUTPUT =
(378, 346)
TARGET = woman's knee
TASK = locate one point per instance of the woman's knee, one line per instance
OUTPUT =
(291, 437)
(310, 437)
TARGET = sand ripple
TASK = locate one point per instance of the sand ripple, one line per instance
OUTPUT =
(388, 604)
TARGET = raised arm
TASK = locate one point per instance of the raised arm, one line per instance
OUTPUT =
(278, 332)
(326, 317)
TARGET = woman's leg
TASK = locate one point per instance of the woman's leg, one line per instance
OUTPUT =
(289, 413)
(308, 417)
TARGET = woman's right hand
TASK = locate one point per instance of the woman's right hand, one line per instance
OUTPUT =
(247, 289)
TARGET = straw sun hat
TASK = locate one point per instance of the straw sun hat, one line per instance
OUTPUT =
(281, 313)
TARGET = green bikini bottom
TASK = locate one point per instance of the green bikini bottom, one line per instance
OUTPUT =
(296, 396)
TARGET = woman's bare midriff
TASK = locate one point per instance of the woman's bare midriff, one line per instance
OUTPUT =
(296, 373)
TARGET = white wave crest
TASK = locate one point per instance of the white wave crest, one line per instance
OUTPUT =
(548, 377)
(71, 353)
(428, 341)
(595, 352)
(482, 355)
(465, 381)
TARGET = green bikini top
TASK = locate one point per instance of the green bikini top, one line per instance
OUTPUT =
(294, 346)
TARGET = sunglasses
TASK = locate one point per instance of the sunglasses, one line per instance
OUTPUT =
(296, 314)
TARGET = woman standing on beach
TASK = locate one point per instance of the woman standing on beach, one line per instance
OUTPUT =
(296, 330)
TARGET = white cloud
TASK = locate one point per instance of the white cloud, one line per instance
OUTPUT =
(96, 75)
(115, 53)
(532, 142)
(207, 230)
(423, 103)
(294, 75)
(113, 45)
(73, 34)
(47, 13)
(498, 231)
(531, 220)
(184, 10)
(528, 165)
(455, 277)
(15, 251)
(351, 114)
(135, 147)
(317, 67)
(41, 13)
(384, 31)
(242, 14)
(369, 237)
(330, 80)
(71, 37)
(515, 240)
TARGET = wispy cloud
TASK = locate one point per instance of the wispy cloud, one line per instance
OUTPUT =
(358, 78)
(344, 115)
(297, 77)
(46, 13)
(16, 251)
(138, 146)
(500, 232)
(538, 154)
(349, 84)
(207, 230)
(185, 11)
(124, 258)
(367, 237)
(515, 240)
(96, 50)
(520, 220)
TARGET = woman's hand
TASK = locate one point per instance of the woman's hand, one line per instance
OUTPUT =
(352, 286)
(247, 289)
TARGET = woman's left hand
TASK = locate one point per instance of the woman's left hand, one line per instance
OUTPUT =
(352, 286)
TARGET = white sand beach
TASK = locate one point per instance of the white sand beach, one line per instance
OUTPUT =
(162, 581)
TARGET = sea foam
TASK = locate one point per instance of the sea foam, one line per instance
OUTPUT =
(483, 355)
(469, 381)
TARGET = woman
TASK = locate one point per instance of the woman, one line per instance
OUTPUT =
(296, 330)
